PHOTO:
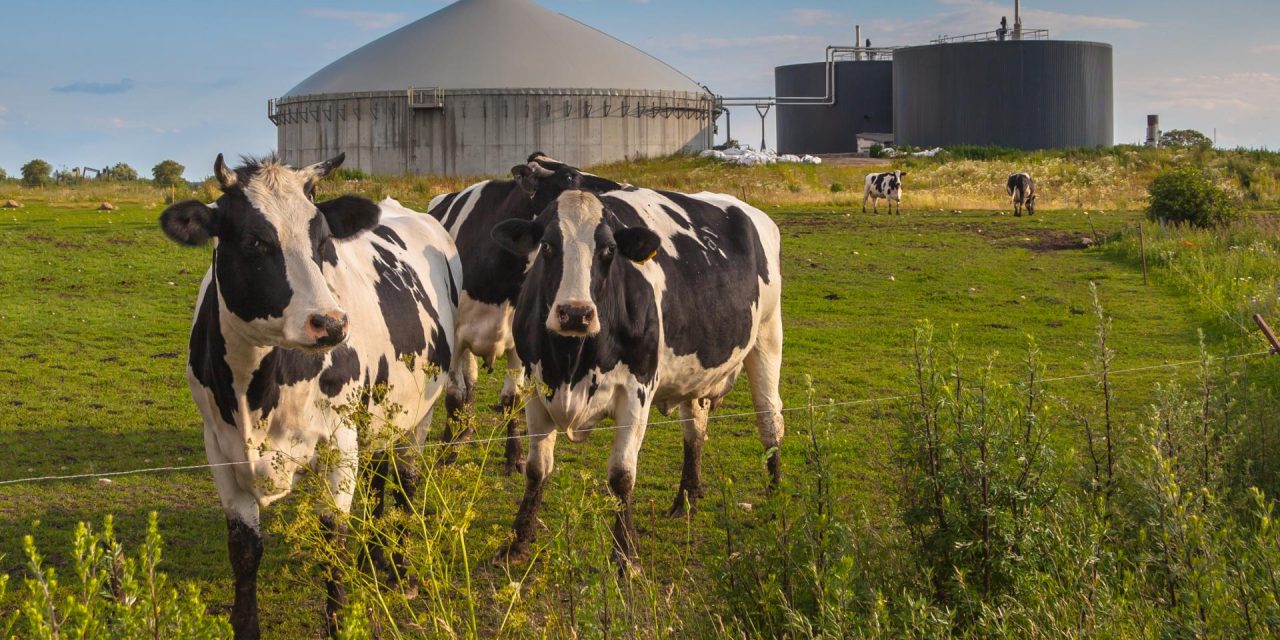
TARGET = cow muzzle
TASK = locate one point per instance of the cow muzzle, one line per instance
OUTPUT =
(575, 319)
(327, 329)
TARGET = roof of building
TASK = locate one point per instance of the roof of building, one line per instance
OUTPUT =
(495, 44)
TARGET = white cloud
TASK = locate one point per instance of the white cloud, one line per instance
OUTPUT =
(1243, 93)
(815, 18)
(1265, 49)
(699, 42)
(366, 20)
(3, 110)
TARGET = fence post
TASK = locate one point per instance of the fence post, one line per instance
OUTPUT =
(1142, 240)
(1266, 331)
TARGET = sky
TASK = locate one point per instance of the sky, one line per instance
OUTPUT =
(92, 83)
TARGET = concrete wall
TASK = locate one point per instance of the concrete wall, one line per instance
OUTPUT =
(864, 104)
(1029, 94)
(483, 132)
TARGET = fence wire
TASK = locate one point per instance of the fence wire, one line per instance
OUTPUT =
(615, 427)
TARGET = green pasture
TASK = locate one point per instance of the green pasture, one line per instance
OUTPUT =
(95, 309)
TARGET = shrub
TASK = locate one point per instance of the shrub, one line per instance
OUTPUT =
(1185, 195)
(876, 151)
(837, 187)
(1184, 138)
(120, 172)
(109, 595)
(168, 174)
(36, 173)
(3, 174)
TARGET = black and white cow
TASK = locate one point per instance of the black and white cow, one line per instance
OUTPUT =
(305, 305)
(638, 298)
(883, 185)
(1022, 191)
(492, 277)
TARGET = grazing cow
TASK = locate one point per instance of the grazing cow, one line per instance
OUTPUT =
(1022, 191)
(883, 185)
(306, 306)
(492, 277)
(638, 298)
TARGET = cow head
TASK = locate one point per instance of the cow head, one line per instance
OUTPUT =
(578, 244)
(894, 188)
(270, 242)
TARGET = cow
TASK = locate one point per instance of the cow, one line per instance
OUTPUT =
(639, 298)
(1022, 192)
(306, 307)
(492, 277)
(883, 185)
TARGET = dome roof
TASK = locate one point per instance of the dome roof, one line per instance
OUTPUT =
(495, 44)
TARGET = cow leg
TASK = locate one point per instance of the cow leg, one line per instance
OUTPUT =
(764, 369)
(542, 445)
(244, 540)
(340, 480)
(632, 417)
(693, 416)
(510, 400)
(865, 195)
(460, 395)
(875, 204)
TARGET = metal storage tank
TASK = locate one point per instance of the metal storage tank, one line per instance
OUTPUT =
(1025, 94)
(477, 86)
(863, 104)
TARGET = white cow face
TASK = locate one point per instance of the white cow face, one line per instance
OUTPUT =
(576, 241)
(272, 241)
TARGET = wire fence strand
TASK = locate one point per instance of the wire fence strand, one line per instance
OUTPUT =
(614, 427)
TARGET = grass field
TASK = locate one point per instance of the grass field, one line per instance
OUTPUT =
(95, 308)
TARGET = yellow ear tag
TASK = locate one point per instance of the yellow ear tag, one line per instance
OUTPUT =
(655, 252)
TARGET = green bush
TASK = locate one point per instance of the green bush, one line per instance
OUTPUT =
(120, 172)
(3, 174)
(876, 151)
(36, 173)
(837, 187)
(109, 595)
(1186, 195)
(168, 173)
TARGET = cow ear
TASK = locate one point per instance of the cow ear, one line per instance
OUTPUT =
(517, 236)
(349, 215)
(190, 222)
(902, 174)
(637, 243)
(525, 178)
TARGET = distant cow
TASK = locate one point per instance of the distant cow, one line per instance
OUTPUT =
(1022, 191)
(305, 305)
(492, 277)
(883, 185)
(640, 298)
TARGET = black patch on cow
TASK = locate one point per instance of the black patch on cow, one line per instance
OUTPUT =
(280, 368)
(709, 326)
(389, 234)
(248, 262)
(384, 372)
(453, 283)
(625, 304)
(489, 274)
(208, 355)
(322, 249)
(350, 215)
(400, 295)
(344, 367)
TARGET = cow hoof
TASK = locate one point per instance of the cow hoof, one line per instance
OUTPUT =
(513, 467)
(514, 553)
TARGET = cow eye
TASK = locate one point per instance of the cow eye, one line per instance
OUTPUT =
(548, 250)
(258, 244)
(606, 251)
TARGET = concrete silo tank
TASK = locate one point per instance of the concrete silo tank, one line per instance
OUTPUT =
(1025, 94)
(863, 103)
(477, 86)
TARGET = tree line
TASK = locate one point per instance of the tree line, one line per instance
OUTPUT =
(39, 173)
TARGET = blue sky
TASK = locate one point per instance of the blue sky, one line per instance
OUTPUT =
(93, 83)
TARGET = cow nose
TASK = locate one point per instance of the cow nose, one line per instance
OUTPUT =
(575, 317)
(327, 329)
